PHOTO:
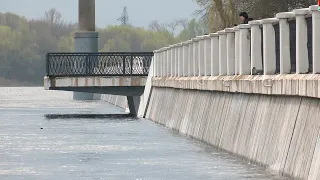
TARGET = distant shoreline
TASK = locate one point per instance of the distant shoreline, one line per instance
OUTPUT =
(15, 83)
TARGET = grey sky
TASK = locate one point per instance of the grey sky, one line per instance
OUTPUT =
(141, 12)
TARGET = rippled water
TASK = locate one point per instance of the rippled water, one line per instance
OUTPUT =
(114, 148)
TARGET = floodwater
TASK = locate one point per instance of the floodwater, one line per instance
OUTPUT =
(115, 147)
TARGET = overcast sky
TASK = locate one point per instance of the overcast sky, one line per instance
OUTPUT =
(141, 12)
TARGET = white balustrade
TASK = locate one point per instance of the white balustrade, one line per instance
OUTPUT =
(256, 48)
(207, 55)
(214, 54)
(243, 50)
(230, 51)
(168, 62)
(163, 61)
(284, 30)
(190, 59)
(222, 52)
(195, 56)
(180, 59)
(302, 58)
(237, 50)
(315, 38)
(176, 63)
(201, 61)
(269, 46)
(185, 58)
(244, 54)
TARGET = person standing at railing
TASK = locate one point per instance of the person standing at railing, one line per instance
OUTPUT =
(244, 18)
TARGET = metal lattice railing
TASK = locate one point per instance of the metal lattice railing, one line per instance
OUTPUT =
(98, 64)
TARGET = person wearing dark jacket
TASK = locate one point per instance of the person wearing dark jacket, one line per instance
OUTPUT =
(244, 18)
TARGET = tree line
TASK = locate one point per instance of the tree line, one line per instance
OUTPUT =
(219, 14)
(25, 42)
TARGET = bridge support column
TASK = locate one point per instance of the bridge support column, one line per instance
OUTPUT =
(222, 52)
(230, 51)
(316, 38)
(86, 40)
(214, 54)
(133, 103)
(256, 53)
(302, 59)
(207, 55)
(269, 46)
(244, 49)
(285, 57)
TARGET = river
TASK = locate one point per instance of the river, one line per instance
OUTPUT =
(115, 147)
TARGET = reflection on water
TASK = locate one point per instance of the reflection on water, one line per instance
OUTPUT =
(114, 147)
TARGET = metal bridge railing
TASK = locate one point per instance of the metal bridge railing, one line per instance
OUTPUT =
(98, 64)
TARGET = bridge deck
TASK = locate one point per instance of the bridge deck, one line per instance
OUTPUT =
(105, 73)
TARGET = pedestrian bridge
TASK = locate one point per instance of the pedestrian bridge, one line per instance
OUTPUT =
(116, 73)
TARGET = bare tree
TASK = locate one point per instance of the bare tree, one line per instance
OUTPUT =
(53, 17)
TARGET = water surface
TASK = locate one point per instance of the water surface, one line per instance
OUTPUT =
(115, 147)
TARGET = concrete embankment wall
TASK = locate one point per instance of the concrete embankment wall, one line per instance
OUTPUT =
(120, 101)
(279, 132)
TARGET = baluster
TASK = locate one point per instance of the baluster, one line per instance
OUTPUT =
(302, 60)
(214, 54)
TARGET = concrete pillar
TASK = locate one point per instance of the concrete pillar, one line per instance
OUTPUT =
(315, 38)
(237, 50)
(269, 46)
(214, 54)
(86, 39)
(285, 57)
(244, 54)
(222, 52)
(256, 53)
(230, 51)
(207, 55)
(195, 56)
(172, 54)
(86, 15)
(185, 58)
(201, 63)
(190, 60)
(133, 103)
(168, 62)
(180, 59)
(302, 59)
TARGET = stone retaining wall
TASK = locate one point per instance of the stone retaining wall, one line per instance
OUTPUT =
(279, 132)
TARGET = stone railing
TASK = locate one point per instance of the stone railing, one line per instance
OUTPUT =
(288, 44)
